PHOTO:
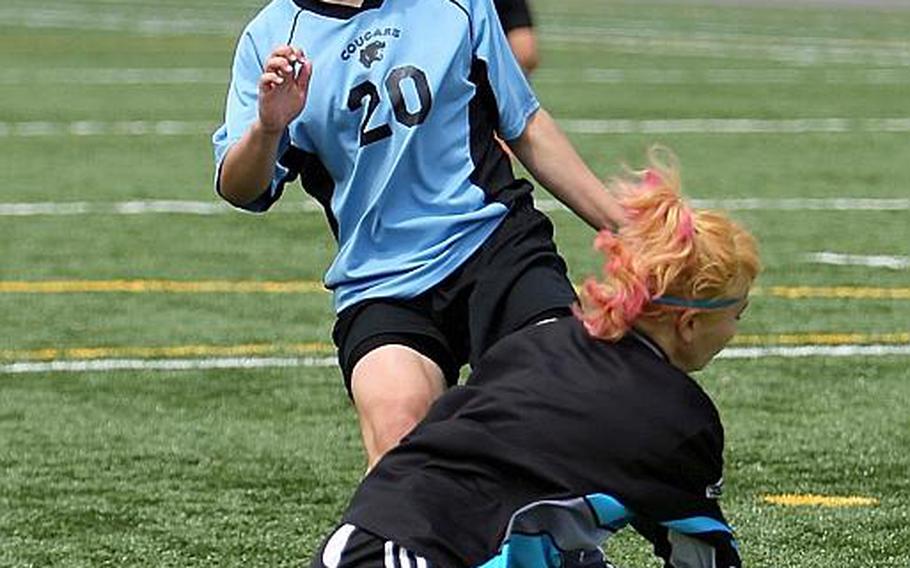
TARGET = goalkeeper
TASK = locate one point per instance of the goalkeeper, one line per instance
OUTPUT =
(570, 430)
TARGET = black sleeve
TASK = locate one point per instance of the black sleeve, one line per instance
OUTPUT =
(513, 14)
(709, 549)
(682, 517)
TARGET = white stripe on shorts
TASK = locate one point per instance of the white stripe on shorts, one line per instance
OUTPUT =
(331, 555)
(404, 559)
(390, 554)
(400, 557)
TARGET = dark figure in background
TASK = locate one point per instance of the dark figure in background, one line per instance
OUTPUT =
(515, 16)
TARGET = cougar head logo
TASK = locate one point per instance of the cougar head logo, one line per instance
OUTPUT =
(372, 53)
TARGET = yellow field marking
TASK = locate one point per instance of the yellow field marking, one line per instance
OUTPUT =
(246, 350)
(898, 338)
(793, 500)
(167, 286)
(833, 292)
(312, 286)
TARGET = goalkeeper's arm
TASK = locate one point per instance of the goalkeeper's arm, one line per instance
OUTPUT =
(692, 545)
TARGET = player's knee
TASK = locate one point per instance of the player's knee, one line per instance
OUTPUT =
(393, 388)
(396, 423)
(395, 412)
(383, 428)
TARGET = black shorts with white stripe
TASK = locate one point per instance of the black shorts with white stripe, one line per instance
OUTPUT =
(351, 547)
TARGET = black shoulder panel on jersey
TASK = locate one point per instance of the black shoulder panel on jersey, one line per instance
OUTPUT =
(492, 167)
(314, 178)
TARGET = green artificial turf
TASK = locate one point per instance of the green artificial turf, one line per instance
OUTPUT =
(254, 467)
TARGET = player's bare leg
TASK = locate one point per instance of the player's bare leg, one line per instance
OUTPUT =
(393, 387)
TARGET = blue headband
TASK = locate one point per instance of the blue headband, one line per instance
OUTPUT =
(695, 303)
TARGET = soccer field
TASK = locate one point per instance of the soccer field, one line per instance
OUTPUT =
(168, 394)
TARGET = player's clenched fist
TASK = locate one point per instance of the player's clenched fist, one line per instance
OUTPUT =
(283, 87)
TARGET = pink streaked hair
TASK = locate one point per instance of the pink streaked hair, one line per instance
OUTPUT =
(664, 249)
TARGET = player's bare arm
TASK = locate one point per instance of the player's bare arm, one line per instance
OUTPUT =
(249, 165)
(547, 153)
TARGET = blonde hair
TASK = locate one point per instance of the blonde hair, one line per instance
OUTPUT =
(666, 255)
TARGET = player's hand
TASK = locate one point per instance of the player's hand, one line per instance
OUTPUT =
(283, 87)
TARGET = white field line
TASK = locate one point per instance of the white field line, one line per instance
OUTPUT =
(108, 365)
(158, 7)
(735, 125)
(573, 126)
(712, 40)
(730, 45)
(40, 129)
(216, 76)
(164, 23)
(137, 208)
(814, 351)
(794, 76)
(115, 76)
(872, 261)
(709, 34)
(151, 207)
(805, 204)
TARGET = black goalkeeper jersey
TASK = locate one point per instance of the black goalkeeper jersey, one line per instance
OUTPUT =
(557, 441)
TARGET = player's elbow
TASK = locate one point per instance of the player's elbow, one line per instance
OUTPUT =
(240, 195)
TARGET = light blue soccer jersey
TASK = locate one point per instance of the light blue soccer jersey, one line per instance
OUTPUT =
(396, 139)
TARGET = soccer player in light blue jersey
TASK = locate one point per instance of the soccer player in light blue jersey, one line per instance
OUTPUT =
(388, 112)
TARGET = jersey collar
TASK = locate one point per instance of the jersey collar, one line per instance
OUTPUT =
(338, 11)
(649, 343)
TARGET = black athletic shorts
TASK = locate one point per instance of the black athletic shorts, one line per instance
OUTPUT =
(516, 278)
(513, 14)
(352, 547)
